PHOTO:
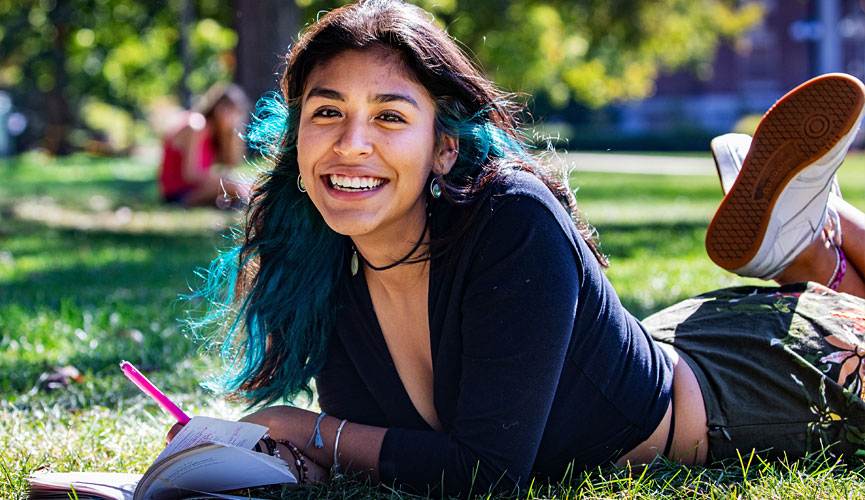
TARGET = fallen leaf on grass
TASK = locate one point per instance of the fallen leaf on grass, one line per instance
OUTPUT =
(58, 379)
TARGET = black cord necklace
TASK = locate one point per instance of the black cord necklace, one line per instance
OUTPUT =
(355, 265)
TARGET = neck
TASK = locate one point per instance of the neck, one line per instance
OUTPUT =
(400, 280)
(393, 257)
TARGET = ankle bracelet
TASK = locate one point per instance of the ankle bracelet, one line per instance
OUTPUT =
(840, 269)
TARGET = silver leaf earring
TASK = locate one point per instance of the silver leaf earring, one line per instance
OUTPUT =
(435, 189)
(300, 185)
(355, 265)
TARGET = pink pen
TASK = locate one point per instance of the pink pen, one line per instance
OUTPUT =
(148, 388)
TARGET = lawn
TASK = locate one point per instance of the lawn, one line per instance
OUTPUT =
(91, 269)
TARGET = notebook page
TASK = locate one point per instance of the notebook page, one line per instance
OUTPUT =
(214, 430)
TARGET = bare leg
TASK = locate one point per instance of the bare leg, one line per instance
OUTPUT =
(818, 261)
(853, 234)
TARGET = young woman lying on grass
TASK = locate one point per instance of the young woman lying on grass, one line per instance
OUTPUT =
(410, 253)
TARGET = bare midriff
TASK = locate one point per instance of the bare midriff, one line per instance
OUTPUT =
(690, 436)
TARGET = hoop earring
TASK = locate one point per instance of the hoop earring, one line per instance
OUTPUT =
(435, 189)
(300, 185)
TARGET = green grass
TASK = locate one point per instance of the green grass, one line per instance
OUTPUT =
(90, 271)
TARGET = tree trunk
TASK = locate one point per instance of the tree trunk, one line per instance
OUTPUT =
(57, 113)
(186, 17)
(265, 30)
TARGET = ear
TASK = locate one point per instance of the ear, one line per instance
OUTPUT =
(448, 154)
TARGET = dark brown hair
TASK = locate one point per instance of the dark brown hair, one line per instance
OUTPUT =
(281, 281)
(463, 95)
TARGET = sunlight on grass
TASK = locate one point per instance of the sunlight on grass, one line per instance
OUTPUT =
(91, 266)
(122, 219)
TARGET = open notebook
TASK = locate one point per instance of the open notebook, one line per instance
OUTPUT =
(207, 456)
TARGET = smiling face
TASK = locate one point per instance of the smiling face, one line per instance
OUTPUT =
(366, 146)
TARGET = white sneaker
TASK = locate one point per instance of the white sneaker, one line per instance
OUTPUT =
(777, 205)
(729, 152)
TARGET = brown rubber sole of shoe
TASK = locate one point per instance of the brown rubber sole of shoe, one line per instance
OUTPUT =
(799, 129)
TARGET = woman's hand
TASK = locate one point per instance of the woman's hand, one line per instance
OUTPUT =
(173, 432)
(359, 445)
(312, 472)
(288, 423)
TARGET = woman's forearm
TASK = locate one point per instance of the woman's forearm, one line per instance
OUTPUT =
(359, 445)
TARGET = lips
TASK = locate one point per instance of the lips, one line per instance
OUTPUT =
(354, 184)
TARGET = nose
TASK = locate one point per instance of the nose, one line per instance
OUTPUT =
(354, 140)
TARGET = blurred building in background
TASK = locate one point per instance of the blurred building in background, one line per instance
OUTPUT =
(798, 39)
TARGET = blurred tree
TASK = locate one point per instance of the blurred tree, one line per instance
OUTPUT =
(58, 55)
(265, 29)
(590, 51)
(55, 55)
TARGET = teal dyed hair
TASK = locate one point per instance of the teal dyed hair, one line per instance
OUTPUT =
(268, 298)
(270, 301)
(270, 124)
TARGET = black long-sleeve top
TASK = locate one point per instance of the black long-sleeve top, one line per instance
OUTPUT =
(535, 361)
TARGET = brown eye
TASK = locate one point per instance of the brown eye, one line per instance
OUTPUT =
(326, 113)
(391, 117)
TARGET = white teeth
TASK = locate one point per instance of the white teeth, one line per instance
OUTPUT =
(346, 183)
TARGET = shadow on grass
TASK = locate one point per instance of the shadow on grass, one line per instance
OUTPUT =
(119, 192)
(96, 266)
(92, 297)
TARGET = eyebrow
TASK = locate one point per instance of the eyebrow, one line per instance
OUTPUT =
(326, 93)
(383, 98)
(380, 98)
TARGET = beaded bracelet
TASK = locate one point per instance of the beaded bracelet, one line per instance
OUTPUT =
(299, 461)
